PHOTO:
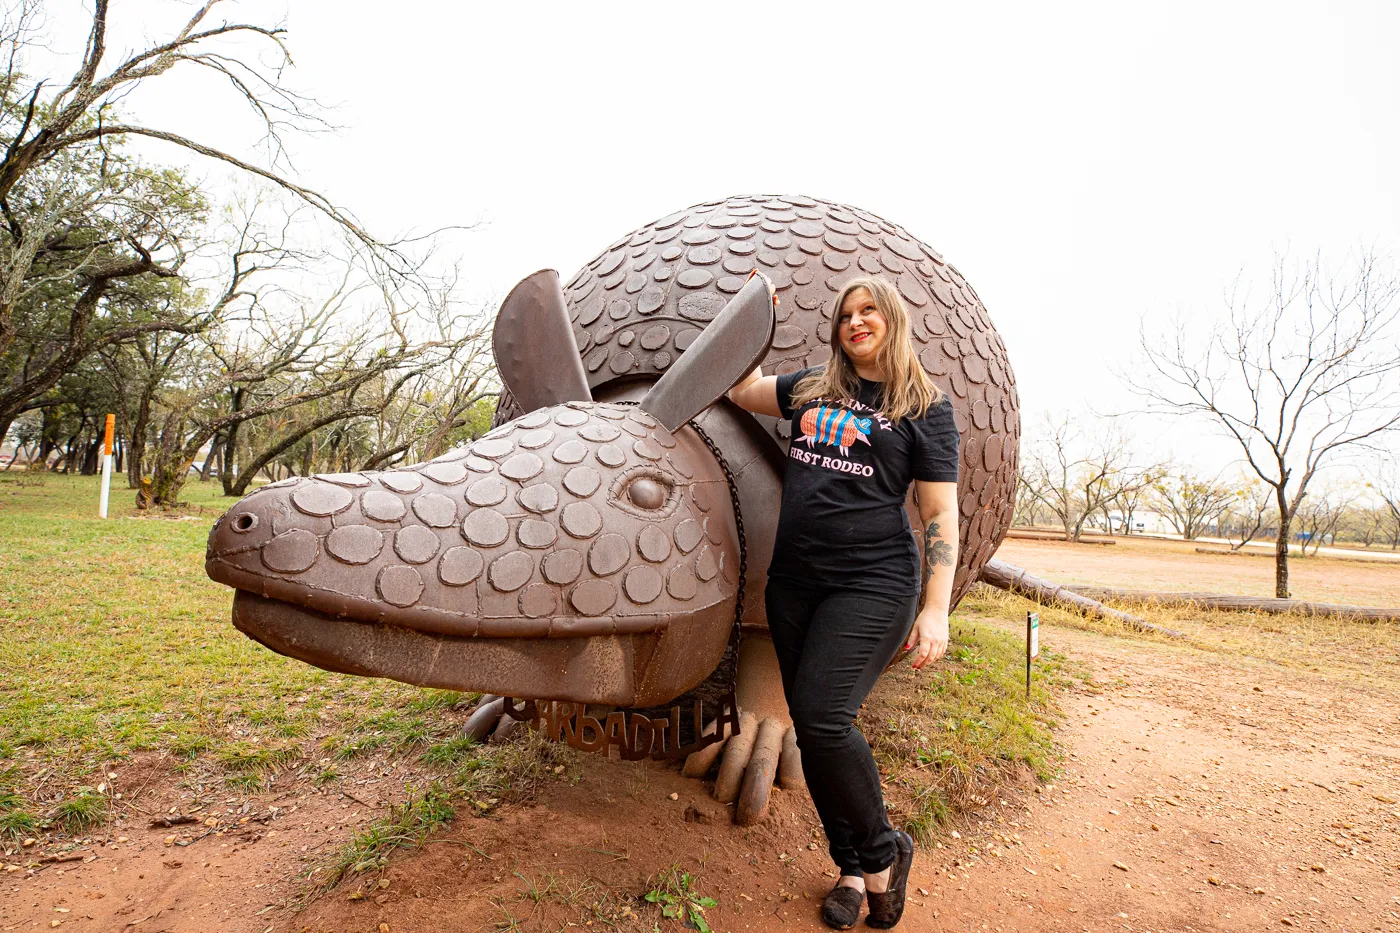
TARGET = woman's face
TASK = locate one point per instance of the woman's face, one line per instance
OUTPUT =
(860, 327)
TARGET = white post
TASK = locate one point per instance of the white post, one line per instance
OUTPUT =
(106, 467)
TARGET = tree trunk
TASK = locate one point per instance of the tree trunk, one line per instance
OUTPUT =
(230, 437)
(169, 471)
(227, 460)
(1285, 525)
(136, 456)
(167, 480)
(175, 453)
(92, 457)
(208, 468)
(70, 456)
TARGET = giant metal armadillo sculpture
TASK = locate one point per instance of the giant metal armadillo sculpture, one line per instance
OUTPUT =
(586, 550)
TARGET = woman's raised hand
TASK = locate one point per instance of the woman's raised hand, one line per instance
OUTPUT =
(772, 291)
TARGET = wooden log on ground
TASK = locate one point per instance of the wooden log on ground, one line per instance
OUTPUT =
(1027, 535)
(1013, 579)
(1233, 603)
(1394, 562)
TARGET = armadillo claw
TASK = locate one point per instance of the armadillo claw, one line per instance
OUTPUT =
(790, 775)
(504, 730)
(736, 759)
(759, 773)
(484, 718)
(699, 764)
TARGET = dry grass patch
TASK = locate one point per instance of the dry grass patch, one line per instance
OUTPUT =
(1332, 647)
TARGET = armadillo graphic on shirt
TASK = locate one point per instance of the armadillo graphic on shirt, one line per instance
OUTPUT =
(834, 427)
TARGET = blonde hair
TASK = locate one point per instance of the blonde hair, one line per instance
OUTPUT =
(907, 389)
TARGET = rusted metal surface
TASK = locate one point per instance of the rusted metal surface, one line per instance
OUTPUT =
(581, 551)
(641, 302)
(533, 344)
(741, 333)
(634, 735)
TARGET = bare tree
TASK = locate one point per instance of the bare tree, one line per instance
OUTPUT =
(1387, 487)
(73, 209)
(1246, 512)
(427, 419)
(1075, 475)
(1320, 513)
(1128, 500)
(1029, 510)
(1305, 374)
(1364, 524)
(1190, 501)
(136, 368)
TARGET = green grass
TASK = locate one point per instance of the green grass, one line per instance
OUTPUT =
(81, 810)
(484, 777)
(450, 753)
(17, 824)
(945, 739)
(673, 891)
(115, 643)
(407, 825)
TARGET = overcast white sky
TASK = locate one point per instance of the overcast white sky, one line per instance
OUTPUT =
(1082, 164)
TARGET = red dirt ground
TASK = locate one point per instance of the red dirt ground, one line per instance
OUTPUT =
(1153, 564)
(1200, 793)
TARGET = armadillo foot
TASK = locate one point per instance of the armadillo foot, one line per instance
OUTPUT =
(765, 748)
(484, 718)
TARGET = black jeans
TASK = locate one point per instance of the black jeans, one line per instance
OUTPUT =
(832, 646)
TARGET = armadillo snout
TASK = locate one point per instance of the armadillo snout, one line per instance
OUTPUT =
(577, 521)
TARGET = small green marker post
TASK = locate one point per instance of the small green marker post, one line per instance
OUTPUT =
(1032, 645)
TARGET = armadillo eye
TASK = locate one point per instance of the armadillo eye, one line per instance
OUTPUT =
(646, 493)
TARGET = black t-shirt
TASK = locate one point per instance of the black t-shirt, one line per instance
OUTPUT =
(848, 472)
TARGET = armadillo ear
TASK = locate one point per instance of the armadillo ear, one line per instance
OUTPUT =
(732, 345)
(534, 345)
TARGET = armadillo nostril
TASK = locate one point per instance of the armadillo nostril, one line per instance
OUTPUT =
(245, 522)
(646, 494)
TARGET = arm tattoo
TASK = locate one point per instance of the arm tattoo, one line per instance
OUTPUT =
(936, 552)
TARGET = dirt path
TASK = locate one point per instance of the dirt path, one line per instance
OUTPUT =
(1199, 793)
(1234, 796)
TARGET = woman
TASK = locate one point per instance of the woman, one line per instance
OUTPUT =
(844, 584)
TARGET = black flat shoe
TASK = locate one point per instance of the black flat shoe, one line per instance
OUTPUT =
(841, 909)
(887, 908)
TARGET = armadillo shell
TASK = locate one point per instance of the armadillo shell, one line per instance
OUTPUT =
(639, 304)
